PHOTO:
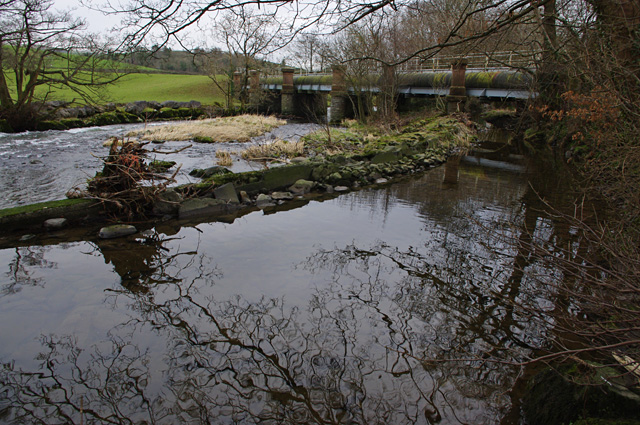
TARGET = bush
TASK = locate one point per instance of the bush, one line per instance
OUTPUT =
(5, 127)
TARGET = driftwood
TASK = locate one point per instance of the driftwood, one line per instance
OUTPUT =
(120, 183)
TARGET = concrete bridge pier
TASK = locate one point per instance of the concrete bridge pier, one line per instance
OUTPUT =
(287, 101)
(457, 92)
(339, 97)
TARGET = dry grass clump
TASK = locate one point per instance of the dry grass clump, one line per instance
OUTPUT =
(280, 149)
(118, 142)
(464, 136)
(240, 128)
(224, 158)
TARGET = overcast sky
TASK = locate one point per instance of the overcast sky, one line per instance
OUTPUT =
(96, 21)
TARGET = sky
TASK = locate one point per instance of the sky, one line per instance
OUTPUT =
(96, 21)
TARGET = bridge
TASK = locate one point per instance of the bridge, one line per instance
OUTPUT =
(292, 94)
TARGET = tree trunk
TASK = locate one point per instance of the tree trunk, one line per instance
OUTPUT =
(620, 21)
(551, 79)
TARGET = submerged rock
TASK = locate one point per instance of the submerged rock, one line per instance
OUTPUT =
(116, 231)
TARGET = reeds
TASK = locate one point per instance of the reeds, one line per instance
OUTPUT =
(280, 149)
(224, 158)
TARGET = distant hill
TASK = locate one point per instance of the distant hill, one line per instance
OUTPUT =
(183, 62)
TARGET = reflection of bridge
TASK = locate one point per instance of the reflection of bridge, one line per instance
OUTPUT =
(293, 95)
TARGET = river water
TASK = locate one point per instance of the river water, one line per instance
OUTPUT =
(378, 306)
(42, 166)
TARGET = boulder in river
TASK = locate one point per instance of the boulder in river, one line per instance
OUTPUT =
(167, 203)
(281, 196)
(209, 172)
(55, 223)
(227, 193)
(201, 206)
(301, 187)
(116, 231)
(264, 201)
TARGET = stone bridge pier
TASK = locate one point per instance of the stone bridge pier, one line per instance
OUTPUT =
(307, 95)
(287, 105)
(457, 92)
(339, 96)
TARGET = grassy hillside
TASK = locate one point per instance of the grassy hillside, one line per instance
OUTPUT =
(158, 87)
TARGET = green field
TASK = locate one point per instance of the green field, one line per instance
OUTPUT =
(133, 87)
(160, 87)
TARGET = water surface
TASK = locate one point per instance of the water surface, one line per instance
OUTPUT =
(376, 306)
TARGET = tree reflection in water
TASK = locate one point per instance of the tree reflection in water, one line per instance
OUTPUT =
(368, 348)
(23, 269)
(424, 334)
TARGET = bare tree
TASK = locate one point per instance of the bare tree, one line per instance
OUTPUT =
(249, 37)
(307, 52)
(41, 50)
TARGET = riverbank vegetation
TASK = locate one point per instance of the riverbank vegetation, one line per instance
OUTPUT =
(240, 128)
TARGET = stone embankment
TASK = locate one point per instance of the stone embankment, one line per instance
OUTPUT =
(65, 118)
(224, 193)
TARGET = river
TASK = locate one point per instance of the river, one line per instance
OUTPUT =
(376, 306)
(43, 165)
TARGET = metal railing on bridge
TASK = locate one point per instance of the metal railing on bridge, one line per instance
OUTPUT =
(495, 61)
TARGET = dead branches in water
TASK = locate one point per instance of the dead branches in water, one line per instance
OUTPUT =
(127, 182)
